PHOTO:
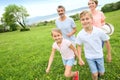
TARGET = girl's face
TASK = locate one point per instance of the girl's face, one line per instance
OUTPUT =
(57, 37)
(92, 5)
(86, 21)
(61, 12)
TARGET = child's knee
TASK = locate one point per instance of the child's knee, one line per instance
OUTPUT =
(101, 74)
(95, 74)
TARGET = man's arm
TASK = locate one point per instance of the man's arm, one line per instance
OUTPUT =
(72, 32)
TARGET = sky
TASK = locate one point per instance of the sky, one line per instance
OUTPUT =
(47, 7)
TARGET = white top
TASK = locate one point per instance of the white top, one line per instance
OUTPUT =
(64, 49)
(66, 27)
(92, 42)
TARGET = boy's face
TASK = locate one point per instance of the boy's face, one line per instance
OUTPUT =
(61, 12)
(86, 21)
(57, 36)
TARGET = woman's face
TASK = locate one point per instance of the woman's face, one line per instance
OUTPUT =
(92, 5)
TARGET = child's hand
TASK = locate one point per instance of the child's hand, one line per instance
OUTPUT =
(81, 62)
(109, 59)
(47, 70)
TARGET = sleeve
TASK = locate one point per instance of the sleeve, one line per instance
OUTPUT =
(73, 23)
(102, 18)
(78, 40)
(54, 45)
(56, 23)
(68, 43)
(104, 36)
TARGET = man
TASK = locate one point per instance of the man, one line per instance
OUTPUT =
(66, 25)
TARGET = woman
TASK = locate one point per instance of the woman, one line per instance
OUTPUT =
(98, 16)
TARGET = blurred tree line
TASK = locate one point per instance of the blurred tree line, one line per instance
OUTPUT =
(14, 17)
(111, 7)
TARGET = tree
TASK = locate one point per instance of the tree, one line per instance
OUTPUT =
(15, 15)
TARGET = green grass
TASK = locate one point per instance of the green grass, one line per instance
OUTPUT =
(24, 55)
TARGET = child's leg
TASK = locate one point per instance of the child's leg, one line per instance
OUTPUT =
(71, 75)
(68, 72)
(95, 76)
(93, 68)
(68, 67)
(100, 65)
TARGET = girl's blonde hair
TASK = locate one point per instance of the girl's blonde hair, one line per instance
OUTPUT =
(56, 30)
(83, 13)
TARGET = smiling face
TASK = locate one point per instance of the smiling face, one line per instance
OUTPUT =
(92, 4)
(61, 12)
(57, 36)
(86, 19)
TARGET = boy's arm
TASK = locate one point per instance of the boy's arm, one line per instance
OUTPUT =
(108, 51)
(79, 50)
(50, 60)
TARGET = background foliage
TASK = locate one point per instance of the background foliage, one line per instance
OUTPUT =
(111, 7)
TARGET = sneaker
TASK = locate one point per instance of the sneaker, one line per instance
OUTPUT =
(76, 77)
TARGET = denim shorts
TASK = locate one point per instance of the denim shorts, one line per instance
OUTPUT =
(96, 65)
(68, 62)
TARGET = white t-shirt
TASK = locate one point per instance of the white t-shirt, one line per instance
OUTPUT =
(92, 42)
(64, 49)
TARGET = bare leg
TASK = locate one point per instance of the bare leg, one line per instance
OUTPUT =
(95, 76)
(68, 73)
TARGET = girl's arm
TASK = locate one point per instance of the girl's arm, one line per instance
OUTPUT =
(74, 50)
(77, 54)
(50, 60)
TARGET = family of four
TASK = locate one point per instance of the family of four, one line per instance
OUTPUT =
(90, 36)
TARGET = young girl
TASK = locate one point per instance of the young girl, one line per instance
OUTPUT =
(67, 52)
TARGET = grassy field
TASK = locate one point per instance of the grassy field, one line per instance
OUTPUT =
(24, 55)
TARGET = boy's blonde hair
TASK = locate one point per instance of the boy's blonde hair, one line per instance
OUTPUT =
(83, 13)
(56, 30)
(96, 2)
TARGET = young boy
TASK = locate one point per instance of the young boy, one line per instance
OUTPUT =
(91, 37)
(67, 52)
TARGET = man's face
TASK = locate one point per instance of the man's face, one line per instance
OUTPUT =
(61, 12)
